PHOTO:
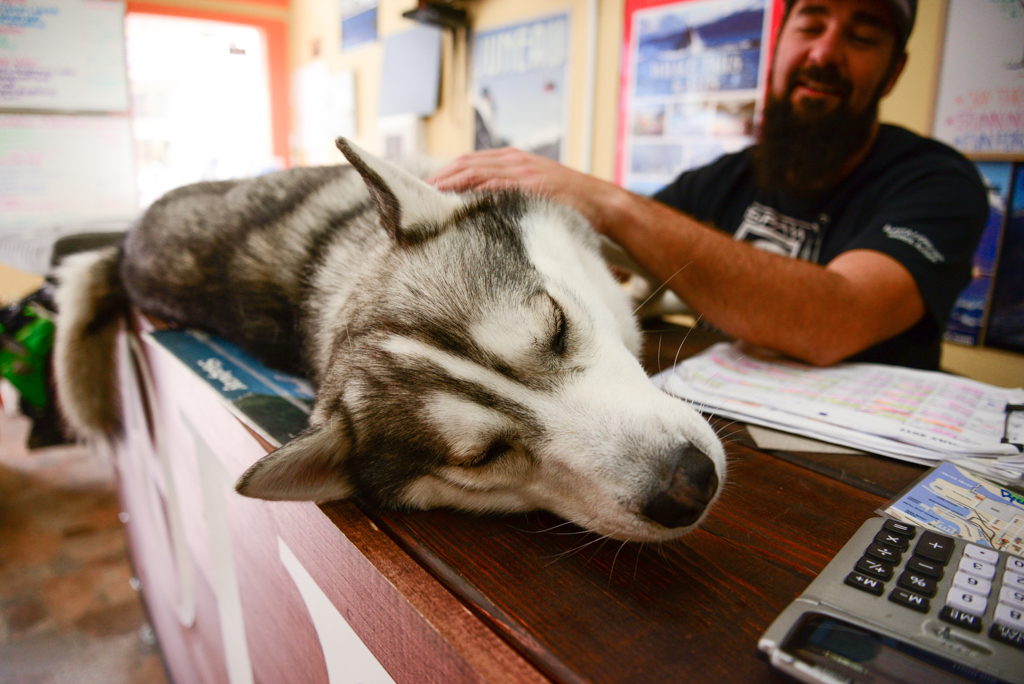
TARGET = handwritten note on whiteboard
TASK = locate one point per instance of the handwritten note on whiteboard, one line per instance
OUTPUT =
(65, 55)
(57, 169)
(980, 103)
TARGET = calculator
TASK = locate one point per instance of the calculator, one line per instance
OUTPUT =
(900, 603)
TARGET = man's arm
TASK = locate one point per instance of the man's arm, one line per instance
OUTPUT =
(818, 314)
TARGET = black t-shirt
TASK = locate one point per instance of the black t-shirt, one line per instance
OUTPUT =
(913, 198)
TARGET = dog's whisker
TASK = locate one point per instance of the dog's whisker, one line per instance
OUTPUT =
(611, 572)
(553, 528)
(573, 551)
(675, 361)
(660, 287)
(598, 549)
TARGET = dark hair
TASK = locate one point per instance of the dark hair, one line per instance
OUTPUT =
(904, 13)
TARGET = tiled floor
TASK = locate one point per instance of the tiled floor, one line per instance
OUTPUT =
(68, 613)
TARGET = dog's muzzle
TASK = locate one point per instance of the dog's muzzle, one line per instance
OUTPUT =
(690, 488)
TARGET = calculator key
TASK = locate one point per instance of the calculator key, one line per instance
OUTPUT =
(1007, 635)
(918, 583)
(1008, 616)
(875, 568)
(966, 602)
(1012, 580)
(985, 571)
(910, 600)
(980, 553)
(900, 541)
(960, 618)
(973, 584)
(884, 552)
(1012, 597)
(909, 531)
(865, 583)
(935, 547)
(1015, 565)
(925, 567)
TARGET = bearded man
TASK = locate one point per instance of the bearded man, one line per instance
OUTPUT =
(835, 237)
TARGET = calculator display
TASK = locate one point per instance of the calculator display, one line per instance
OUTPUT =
(838, 650)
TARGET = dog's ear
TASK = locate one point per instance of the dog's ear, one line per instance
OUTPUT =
(409, 208)
(311, 467)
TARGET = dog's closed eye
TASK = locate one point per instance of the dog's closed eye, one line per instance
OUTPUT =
(495, 451)
(558, 337)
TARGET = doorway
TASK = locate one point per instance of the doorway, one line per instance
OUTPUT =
(201, 101)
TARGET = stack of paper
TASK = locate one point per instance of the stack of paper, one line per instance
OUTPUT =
(913, 415)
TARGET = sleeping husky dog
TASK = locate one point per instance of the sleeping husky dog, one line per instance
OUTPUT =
(469, 350)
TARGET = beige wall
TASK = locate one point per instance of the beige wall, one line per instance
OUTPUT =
(911, 103)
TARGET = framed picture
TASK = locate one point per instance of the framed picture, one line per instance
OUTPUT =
(520, 86)
(694, 72)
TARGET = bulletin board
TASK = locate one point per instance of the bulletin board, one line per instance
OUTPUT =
(980, 102)
(63, 55)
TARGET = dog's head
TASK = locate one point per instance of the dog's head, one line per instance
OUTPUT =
(491, 365)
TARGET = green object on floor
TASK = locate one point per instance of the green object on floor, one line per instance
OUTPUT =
(26, 338)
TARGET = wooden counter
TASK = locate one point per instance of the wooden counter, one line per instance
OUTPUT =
(250, 591)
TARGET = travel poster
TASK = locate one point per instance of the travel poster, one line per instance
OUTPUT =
(967, 320)
(1006, 321)
(693, 77)
(520, 86)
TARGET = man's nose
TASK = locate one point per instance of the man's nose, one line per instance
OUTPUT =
(826, 49)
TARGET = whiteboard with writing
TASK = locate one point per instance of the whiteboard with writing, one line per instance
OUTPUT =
(980, 103)
(62, 169)
(63, 55)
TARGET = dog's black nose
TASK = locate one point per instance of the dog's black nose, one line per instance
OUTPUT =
(692, 485)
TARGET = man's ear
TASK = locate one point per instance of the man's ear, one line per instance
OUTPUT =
(895, 75)
(311, 467)
(409, 209)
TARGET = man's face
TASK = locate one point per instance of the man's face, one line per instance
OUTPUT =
(833, 63)
(833, 54)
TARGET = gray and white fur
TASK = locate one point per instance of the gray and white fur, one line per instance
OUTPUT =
(469, 350)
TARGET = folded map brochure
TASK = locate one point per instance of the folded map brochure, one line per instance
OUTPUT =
(275, 405)
(960, 503)
(914, 415)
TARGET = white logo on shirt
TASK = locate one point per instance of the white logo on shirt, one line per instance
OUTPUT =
(919, 242)
(768, 230)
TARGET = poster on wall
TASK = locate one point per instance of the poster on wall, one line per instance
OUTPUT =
(1006, 321)
(980, 101)
(967, 319)
(520, 86)
(692, 83)
(324, 106)
(358, 23)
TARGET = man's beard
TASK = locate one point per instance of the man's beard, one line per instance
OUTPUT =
(805, 152)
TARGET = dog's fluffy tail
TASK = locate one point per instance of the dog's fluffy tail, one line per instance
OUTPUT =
(91, 302)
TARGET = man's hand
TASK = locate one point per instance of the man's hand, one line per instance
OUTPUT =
(508, 167)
